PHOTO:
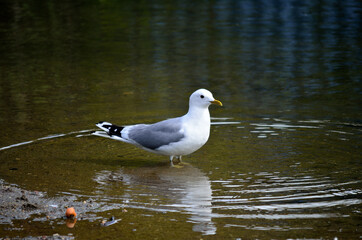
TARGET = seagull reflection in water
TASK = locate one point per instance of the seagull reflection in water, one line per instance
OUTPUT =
(184, 189)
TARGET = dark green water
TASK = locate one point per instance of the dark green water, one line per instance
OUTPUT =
(288, 74)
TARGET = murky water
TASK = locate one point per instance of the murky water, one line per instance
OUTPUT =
(283, 160)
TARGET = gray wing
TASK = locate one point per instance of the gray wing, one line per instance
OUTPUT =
(156, 135)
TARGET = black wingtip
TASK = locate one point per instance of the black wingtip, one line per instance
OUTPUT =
(114, 130)
(100, 122)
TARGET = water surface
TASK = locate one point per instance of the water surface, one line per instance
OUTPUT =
(283, 159)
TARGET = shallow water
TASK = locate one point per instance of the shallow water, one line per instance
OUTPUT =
(283, 159)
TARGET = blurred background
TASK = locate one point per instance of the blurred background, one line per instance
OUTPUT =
(70, 60)
(288, 72)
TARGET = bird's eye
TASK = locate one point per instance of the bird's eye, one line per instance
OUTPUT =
(202, 96)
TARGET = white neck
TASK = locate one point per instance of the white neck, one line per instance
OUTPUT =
(199, 113)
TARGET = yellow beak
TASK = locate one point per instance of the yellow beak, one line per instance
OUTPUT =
(217, 102)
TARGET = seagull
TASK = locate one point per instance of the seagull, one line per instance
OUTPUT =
(173, 137)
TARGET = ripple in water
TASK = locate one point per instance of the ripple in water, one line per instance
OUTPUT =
(267, 196)
(270, 196)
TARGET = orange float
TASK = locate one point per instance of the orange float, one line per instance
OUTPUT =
(70, 213)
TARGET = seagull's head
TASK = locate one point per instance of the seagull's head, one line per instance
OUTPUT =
(203, 98)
